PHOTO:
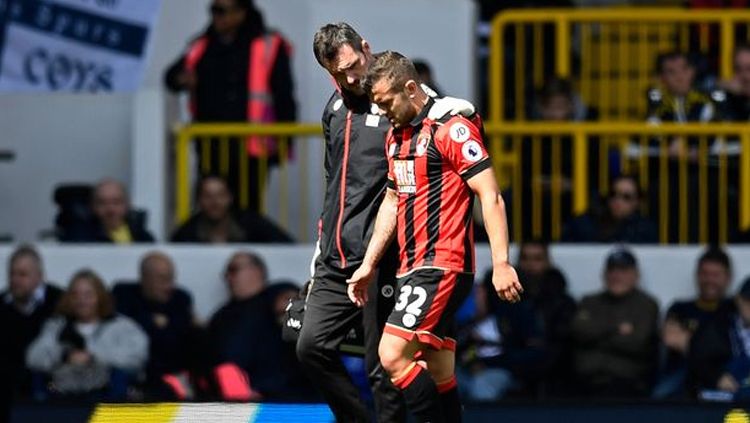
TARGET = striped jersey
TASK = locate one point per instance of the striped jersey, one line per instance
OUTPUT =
(429, 163)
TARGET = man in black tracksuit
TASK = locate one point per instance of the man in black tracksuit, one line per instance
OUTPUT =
(356, 174)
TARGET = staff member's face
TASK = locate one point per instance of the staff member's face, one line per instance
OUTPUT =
(349, 67)
(226, 16)
(394, 102)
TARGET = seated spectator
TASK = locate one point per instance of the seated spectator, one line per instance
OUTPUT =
(684, 318)
(736, 105)
(719, 354)
(88, 351)
(245, 332)
(24, 307)
(112, 221)
(501, 350)
(216, 222)
(557, 101)
(620, 221)
(615, 334)
(163, 311)
(546, 288)
(677, 99)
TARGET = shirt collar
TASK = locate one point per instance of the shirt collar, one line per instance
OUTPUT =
(37, 299)
(423, 114)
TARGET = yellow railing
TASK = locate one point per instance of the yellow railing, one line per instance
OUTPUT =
(708, 176)
(609, 52)
(230, 140)
(720, 150)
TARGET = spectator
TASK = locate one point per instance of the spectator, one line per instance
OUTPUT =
(217, 222)
(24, 307)
(545, 288)
(615, 334)
(557, 101)
(164, 312)
(229, 71)
(426, 77)
(88, 350)
(684, 318)
(245, 332)
(112, 220)
(501, 349)
(677, 100)
(719, 353)
(737, 103)
(620, 221)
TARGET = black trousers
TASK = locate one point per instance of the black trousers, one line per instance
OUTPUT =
(329, 318)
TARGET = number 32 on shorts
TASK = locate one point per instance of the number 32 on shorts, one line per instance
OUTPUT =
(409, 305)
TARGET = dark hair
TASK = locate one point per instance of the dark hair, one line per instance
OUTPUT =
(255, 260)
(105, 303)
(716, 255)
(663, 58)
(392, 66)
(330, 38)
(555, 87)
(626, 177)
(253, 25)
(22, 251)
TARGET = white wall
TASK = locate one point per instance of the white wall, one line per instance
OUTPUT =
(83, 138)
(667, 272)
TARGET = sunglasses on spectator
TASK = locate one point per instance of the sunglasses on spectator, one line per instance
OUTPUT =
(625, 196)
(219, 10)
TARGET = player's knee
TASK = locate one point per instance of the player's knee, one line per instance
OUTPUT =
(391, 359)
(306, 349)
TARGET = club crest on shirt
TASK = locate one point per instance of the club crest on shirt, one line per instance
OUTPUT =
(337, 104)
(422, 143)
(406, 180)
(472, 151)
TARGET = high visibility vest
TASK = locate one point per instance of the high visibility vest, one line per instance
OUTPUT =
(263, 53)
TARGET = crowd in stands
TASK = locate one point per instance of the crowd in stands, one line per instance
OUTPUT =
(142, 339)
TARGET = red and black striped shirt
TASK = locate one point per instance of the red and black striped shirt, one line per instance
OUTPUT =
(428, 166)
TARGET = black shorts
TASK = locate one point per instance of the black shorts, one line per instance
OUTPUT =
(426, 304)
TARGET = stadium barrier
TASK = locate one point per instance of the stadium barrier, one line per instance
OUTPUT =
(610, 51)
(548, 172)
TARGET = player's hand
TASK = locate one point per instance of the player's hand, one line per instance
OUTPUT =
(452, 105)
(505, 280)
(358, 283)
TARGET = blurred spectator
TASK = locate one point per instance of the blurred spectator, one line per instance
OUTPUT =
(546, 289)
(676, 99)
(237, 71)
(216, 222)
(246, 331)
(24, 307)
(737, 103)
(426, 77)
(501, 350)
(89, 350)
(112, 220)
(557, 101)
(713, 276)
(615, 334)
(620, 221)
(719, 352)
(165, 313)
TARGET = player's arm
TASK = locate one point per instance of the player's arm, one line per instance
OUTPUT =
(382, 236)
(504, 277)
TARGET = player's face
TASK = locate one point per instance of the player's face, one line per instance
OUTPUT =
(349, 67)
(677, 76)
(742, 70)
(393, 102)
(713, 281)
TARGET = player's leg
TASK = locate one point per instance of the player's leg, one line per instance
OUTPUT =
(329, 315)
(389, 403)
(416, 384)
(442, 367)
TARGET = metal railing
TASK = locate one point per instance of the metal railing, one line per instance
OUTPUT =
(716, 172)
(609, 52)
